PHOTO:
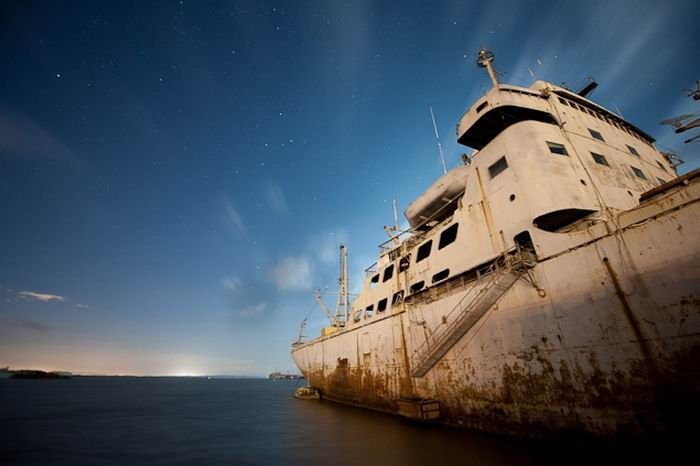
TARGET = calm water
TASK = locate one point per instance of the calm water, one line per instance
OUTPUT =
(230, 421)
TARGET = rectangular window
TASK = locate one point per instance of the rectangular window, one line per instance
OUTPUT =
(632, 150)
(443, 274)
(374, 281)
(397, 298)
(661, 181)
(381, 305)
(388, 273)
(481, 106)
(556, 148)
(448, 236)
(500, 165)
(639, 173)
(424, 251)
(417, 286)
(369, 311)
(600, 159)
(562, 101)
(661, 166)
(596, 135)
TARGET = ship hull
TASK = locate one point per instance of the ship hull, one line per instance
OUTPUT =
(605, 344)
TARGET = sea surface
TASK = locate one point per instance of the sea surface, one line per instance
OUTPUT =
(175, 420)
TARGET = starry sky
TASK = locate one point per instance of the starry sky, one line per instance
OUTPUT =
(176, 176)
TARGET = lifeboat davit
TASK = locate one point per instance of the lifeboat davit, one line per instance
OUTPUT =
(433, 204)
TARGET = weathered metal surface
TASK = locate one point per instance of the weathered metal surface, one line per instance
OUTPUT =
(601, 340)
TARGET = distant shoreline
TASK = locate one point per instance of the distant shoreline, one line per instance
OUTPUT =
(7, 373)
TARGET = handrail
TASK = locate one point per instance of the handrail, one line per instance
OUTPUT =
(517, 261)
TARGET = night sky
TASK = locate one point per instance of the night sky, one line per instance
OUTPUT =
(175, 177)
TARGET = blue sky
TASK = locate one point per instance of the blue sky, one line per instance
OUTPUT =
(175, 177)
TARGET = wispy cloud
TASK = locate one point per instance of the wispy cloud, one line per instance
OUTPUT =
(23, 137)
(252, 310)
(232, 283)
(28, 324)
(292, 273)
(82, 305)
(232, 218)
(275, 198)
(43, 297)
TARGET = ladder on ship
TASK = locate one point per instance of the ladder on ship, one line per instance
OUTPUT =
(486, 292)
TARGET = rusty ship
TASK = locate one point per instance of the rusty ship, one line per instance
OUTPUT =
(549, 285)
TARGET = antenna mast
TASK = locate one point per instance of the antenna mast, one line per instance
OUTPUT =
(395, 227)
(343, 306)
(437, 137)
(485, 60)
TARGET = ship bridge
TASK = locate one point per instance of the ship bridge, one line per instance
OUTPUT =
(505, 105)
(500, 108)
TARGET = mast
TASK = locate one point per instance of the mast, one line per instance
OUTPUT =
(485, 60)
(343, 306)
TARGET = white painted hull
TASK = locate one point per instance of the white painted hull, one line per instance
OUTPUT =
(591, 357)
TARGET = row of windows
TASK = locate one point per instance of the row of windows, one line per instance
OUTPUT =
(596, 135)
(556, 148)
(447, 237)
(398, 296)
(382, 306)
(604, 118)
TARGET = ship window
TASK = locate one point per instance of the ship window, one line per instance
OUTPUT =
(369, 310)
(374, 281)
(424, 251)
(661, 166)
(404, 263)
(441, 275)
(481, 107)
(600, 159)
(498, 167)
(397, 298)
(639, 173)
(596, 135)
(556, 148)
(417, 286)
(632, 150)
(563, 101)
(448, 236)
(388, 273)
(381, 305)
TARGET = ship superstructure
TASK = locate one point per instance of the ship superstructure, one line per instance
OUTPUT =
(551, 284)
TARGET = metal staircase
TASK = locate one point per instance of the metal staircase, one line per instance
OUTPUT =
(486, 292)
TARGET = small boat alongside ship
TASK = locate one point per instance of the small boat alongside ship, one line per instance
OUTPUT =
(549, 286)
